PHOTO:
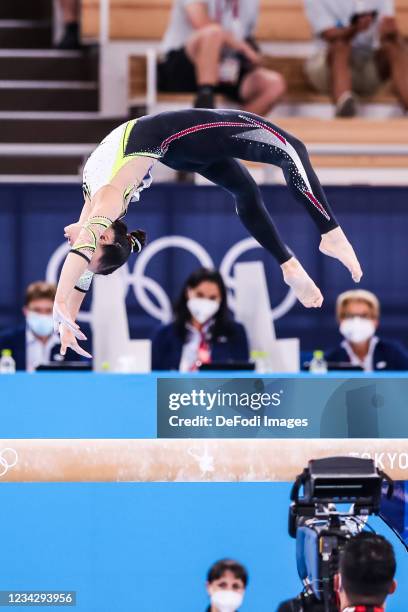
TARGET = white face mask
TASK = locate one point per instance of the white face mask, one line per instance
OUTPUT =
(202, 309)
(357, 329)
(40, 324)
(227, 601)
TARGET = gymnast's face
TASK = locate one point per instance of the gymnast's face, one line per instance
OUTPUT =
(106, 238)
(71, 232)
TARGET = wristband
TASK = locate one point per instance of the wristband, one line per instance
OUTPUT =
(84, 283)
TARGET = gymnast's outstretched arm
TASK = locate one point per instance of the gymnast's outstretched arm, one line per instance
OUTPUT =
(106, 206)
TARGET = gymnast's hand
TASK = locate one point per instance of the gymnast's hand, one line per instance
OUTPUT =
(62, 315)
(68, 340)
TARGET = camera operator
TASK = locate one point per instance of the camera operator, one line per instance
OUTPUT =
(365, 578)
(366, 574)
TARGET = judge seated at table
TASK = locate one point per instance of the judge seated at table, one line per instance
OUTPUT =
(358, 315)
(202, 330)
(35, 343)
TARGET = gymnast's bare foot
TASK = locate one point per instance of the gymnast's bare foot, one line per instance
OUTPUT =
(304, 288)
(335, 244)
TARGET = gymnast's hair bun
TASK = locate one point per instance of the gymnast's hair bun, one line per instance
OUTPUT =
(137, 240)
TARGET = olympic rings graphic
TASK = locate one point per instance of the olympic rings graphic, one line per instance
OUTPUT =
(141, 282)
(145, 288)
(6, 463)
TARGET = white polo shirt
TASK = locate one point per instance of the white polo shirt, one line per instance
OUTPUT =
(326, 14)
(368, 362)
(236, 16)
(38, 353)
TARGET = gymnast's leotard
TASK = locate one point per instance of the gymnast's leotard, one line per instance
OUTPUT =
(208, 142)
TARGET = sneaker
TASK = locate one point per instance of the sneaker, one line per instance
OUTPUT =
(346, 105)
(70, 39)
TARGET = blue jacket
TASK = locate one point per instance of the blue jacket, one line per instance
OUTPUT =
(15, 340)
(388, 355)
(167, 347)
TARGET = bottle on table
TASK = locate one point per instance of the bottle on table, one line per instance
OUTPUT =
(318, 364)
(7, 363)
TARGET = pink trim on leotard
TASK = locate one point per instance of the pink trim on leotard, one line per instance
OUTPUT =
(268, 128)
(203, 126)
(317, 204)
(197, 128)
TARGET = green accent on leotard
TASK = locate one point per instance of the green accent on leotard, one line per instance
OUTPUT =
(91, 246)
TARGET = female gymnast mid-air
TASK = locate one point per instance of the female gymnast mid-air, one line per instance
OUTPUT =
(195, 140)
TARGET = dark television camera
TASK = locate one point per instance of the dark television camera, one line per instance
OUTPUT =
(338, 496)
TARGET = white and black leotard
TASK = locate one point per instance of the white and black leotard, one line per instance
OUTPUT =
(209, 142)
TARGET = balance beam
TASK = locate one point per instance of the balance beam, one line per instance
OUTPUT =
(184, 460)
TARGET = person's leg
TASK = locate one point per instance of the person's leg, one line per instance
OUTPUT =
(70, 10)
(317, 71)
(339, 58)
(394, 52)
(269, 144)
(70, 17)
(366, 77)
(261, 89)
(204, 51)
(333, 242)
(249, 205)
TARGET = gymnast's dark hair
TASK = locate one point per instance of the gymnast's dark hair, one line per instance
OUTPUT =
(124, 243)
(218, 569)
(222, 321)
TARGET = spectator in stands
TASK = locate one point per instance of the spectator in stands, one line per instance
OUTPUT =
(358, 313)
(202, 331)
(208, 47)
(359, 47)
(35, 343)
(226, 583)
(70, 17)
(366, 576)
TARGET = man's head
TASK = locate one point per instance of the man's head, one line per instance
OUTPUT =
(226, 583)
(366, 572)
(358, 313)
(38, 303)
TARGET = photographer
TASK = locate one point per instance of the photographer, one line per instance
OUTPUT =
(366, 574)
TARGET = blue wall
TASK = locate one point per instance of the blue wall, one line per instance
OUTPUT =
(32, 218)
(147, 547)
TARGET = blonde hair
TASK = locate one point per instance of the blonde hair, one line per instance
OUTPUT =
(40, 290)
(357, 295)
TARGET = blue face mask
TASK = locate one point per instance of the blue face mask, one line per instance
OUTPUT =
(40, 324)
